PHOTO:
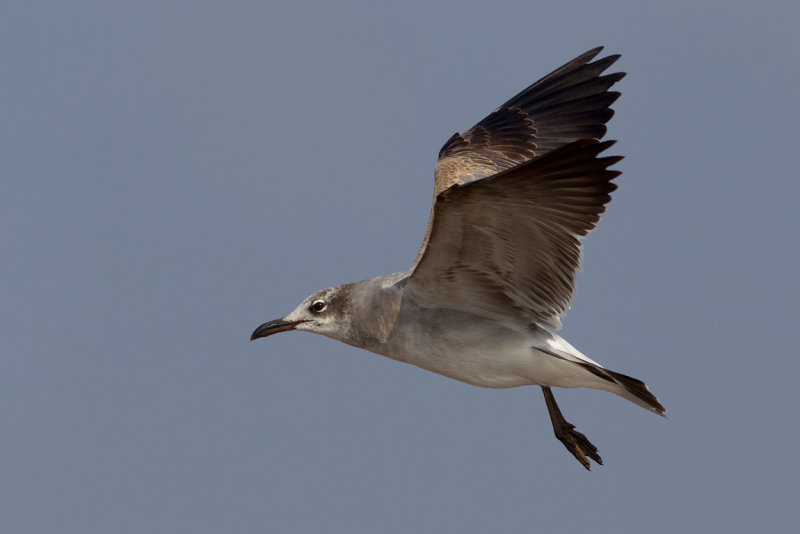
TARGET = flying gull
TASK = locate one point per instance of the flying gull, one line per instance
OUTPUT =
(513, 196)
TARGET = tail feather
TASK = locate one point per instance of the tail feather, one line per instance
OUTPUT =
(639, 390)
(634, 386)
(625, 386)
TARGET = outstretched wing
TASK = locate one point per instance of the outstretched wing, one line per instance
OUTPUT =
(568, 104)
(508, 246)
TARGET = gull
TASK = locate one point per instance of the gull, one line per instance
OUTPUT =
(513, 196)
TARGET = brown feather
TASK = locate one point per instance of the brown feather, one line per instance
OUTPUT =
(509, 244)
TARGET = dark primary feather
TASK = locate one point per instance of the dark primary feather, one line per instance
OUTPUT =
(508, 245)
(568, 104)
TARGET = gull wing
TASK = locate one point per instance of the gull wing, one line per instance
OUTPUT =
(568, 104)
(508, 246)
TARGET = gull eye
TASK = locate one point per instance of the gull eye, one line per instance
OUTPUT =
(318, 306)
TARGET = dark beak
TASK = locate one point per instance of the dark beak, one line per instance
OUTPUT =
(273, 327)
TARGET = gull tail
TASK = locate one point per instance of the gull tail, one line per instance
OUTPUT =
(639, 389)
(633, 389)
(592, 374)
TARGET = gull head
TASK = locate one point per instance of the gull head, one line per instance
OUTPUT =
(324, 312)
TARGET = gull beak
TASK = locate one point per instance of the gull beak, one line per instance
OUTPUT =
(273, 327)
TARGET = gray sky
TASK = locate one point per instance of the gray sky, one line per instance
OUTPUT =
(176, 173)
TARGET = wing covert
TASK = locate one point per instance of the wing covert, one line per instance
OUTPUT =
(508, 245)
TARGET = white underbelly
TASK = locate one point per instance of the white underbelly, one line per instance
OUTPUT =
(488, 354)
(486, 357)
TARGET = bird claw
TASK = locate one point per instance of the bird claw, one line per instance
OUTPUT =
(578, 444)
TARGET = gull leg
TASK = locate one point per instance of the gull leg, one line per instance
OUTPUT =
(575, 442)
